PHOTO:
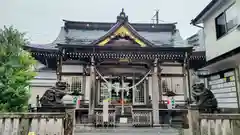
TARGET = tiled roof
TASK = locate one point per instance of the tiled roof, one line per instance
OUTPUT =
(43, 46)
(210, 6)
(85, 37)
(147, 27)
(51, 46)
(86, 33)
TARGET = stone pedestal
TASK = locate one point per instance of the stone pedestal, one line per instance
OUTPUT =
(193, 120)
(69, 122)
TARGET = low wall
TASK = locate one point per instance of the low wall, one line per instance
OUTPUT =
(213, 124)
(32, 123)
(219, 124)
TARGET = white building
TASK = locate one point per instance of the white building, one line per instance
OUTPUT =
(220, 19)
(197, 41)
(45, 79)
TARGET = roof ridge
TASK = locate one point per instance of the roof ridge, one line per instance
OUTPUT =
(133, 23)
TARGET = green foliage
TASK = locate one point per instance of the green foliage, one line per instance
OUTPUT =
(16, 70)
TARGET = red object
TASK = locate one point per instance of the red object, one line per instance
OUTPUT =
(79, 101)
(168, 102)
(122, 101)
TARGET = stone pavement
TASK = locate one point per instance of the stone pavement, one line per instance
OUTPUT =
(129, 131)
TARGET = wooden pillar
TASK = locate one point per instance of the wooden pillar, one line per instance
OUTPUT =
(88, 89)
(59, 64)
(150, 86)
(192, 77)
(84, 81)
(92, 88)
(146, 92)
(133, 90)
(97, 91)
(193, 120)
(159, 83)
(185, 77)
(206, 82)
(155, 94)
(237, 81)
(110, 88)
(90, 93)
(122, 94)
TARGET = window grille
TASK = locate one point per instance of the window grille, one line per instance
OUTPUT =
(103, 92)
(139, 94)
(74, 83)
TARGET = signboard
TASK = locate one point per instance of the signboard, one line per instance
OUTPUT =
(31, 133)
(75, 98)
(173, 102)
(224, 89)
(123, 120)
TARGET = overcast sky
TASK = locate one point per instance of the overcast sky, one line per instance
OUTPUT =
(42, 19)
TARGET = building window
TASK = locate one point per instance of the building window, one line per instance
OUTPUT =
(76, 84)
(226, 21)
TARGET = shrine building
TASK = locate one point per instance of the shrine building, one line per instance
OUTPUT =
(131, 64)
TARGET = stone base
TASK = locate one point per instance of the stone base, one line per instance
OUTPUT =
(91, 119)
(156, 125)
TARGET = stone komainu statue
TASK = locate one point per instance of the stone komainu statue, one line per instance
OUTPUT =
(53, 96)
(205, 99)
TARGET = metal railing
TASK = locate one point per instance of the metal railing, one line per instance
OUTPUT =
(135, 119)
(111, 119)
(142, 118)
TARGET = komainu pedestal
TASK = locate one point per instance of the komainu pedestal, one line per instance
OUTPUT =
(69, 122)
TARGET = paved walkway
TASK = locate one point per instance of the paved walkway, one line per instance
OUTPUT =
(128, 131)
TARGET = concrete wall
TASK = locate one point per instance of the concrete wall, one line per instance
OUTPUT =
(214, 46)
(219, 126)
(43, 81)
(212, 124)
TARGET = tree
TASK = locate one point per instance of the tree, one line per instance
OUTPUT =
(16, 71)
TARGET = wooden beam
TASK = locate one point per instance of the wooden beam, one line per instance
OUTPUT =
(172, 75)
(73, 74)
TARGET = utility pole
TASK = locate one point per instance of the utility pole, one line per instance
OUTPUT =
(156, 17)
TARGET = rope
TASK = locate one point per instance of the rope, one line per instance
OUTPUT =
(124, 87)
